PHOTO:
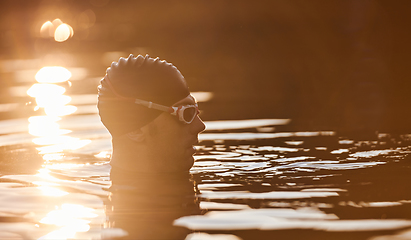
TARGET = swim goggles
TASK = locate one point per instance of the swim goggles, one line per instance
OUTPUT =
(185, 114)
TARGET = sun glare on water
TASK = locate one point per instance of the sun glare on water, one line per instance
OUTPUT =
(53, 142)
(71, 218)
(51, 99)
(53, 74)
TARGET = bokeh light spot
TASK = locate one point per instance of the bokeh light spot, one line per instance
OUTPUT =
(63, 32)
(47, 29)
(57, 29)
(57, 22)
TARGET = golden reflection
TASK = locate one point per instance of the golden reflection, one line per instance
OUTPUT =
(53, 156)
(48, 187)
(60, 111)
(50, 97)
(44, 174)
(52, 74)
(49, 89)
(46, 101)
(44, 119)
(103, 154)
(52, 141)
(45, 126)
(68, 220)
(71, 218)
(44, 183)
(52, 192)
(71, 144)
(69, 213)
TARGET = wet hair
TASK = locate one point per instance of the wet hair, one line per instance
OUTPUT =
(138, 77)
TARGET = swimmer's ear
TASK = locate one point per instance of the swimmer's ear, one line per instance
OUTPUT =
(136, 136)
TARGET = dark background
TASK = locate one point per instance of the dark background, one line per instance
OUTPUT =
(326, 64)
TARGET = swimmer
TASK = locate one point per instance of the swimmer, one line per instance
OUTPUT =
(153, 119)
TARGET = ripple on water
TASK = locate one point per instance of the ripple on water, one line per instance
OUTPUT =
(255, 179)
(206, 236)
(280, 219)
(265, 195)
(372, 153)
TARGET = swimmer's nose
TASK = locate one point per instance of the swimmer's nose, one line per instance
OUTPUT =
(197, 126)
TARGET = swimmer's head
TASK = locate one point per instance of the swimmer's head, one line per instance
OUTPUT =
(142, 78)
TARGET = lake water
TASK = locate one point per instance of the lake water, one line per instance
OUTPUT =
(252, 179)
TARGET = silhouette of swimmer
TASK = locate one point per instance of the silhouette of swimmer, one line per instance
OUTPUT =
(153, 119)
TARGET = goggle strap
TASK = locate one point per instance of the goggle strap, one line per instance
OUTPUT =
(153, 105)
(171, 110)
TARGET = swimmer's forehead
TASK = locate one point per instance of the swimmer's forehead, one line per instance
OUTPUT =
(189, 100)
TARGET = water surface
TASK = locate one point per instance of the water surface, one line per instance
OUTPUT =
(251, 180)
